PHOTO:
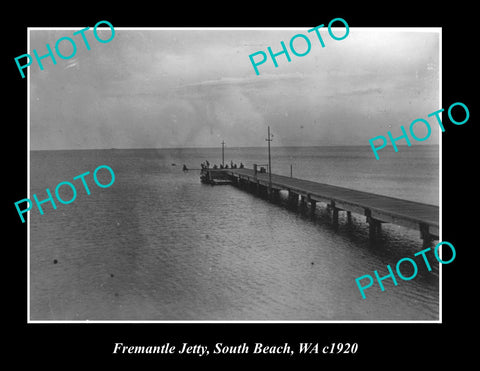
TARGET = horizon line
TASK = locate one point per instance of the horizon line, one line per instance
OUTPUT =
(201, 147)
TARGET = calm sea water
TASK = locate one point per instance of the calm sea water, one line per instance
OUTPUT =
(159, 245)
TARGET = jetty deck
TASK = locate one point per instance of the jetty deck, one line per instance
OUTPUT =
(376, 208)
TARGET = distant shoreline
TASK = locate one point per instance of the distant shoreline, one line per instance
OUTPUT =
(215, 148)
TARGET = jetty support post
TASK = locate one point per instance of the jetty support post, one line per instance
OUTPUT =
(313, 205)
(335, 210)
(292, 199)
(251, 185)
(270, 193)
(425, 234)
(303, 203)
(374, 225)
(275, 195)
(266, 192)
(374, 228)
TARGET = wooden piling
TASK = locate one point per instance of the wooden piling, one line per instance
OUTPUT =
(425, 235)
(303, 202)
(374, 228)
(334, 216)
(377, 208)
(313, 206)
(275, 195)
(292, 199)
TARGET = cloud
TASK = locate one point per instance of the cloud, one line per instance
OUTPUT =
(250, 80)
(167, 88)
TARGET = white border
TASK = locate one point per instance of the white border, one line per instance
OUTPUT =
(393, 29)
(28, 183)
(440, 174)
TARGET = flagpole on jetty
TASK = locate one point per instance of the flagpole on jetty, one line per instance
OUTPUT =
(269, 139)
(223, 153)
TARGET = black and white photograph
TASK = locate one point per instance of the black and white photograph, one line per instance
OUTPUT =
(232, 195)
(278, 183)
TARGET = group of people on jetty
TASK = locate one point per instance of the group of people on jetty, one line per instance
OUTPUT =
(206, 165)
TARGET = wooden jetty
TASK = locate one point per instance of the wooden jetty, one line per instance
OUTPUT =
(376, 208)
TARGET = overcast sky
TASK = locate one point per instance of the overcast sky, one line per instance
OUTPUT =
(168, 88)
